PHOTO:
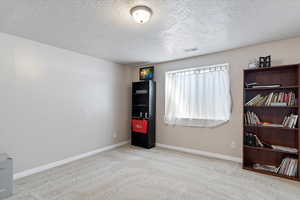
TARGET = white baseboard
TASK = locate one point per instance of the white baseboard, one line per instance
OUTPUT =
(202, 153)
(65, 161)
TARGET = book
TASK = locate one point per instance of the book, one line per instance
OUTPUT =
(271, 124)
(282, 148)
(250, 85)
(258, 142)
(269, 168)
(256, 85)
(267, 86)
(278, 104)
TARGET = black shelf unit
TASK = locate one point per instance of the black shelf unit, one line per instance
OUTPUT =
(143, 108)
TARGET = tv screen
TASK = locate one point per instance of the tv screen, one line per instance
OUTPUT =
(147, 73)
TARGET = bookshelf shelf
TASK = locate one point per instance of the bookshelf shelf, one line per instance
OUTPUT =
(278, 88)
(271, 107)
(140, 105)
(140, 94)
(271, 173)
(273, 127)
(268, 149)
(288, 77)
(277, 68)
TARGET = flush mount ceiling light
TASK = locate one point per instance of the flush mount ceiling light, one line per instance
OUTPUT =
(141, 14)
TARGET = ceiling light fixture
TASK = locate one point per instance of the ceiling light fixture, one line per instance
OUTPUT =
(141, 14)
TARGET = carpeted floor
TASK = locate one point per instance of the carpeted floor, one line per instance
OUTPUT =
(130, 173)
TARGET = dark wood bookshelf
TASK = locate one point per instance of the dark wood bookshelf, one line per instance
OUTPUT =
(288, 78)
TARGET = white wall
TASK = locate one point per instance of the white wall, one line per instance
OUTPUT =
(56, 103)
(219, 139)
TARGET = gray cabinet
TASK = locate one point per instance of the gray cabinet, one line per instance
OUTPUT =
(6, 176)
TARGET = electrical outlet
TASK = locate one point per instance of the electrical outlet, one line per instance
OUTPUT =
(233, 145)
(115, 135)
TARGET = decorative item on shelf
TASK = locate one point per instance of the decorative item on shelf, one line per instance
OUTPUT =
(265, 61)
(253, 64)
(146, 73)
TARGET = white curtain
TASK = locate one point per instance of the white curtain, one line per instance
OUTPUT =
(198, 96)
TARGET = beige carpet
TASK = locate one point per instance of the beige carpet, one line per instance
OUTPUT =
(130, 173)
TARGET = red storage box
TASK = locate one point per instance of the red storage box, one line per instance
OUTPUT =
(139, 126)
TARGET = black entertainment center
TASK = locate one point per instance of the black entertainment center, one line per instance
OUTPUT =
(143, 114)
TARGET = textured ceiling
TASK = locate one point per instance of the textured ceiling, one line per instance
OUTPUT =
(104, 28)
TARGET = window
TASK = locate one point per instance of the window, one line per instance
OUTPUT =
(198, 96)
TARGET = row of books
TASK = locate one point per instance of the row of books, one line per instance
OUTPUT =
(273, 99)
(256, 85)
(252, 140)
(290, 121)
(251, 118)
(289, 167)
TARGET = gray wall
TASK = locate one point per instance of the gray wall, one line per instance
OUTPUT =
(56, 103)
(226, 139)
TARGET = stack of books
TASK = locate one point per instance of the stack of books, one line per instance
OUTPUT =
(269, 168)
(290, 121)
(289, 167)
(273, 99)
(251, 119)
